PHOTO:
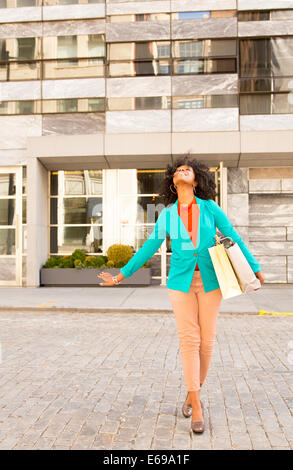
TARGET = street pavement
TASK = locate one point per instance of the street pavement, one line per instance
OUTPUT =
(78, 380)
(150, 299)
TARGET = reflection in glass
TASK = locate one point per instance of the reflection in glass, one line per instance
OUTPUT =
(7, 211)
(266, 57)
(24, 210)
(7, 267)
(138, 68)
(269, 103)
(20, 107)
(133, 103)
(79, 182)
(80, 211)
(67, 239)
(138, 18)
(7, 184)
(73, 46)
(198, 66)
(204, 48)
(79, 68)
(138, 50)
(202, 15)
(20, 49)
(265, 15)
(7, 241)
(149, 181)
(77, 210)
(204, 101)
(20, 71)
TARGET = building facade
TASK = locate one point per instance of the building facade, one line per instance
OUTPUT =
(96, 97)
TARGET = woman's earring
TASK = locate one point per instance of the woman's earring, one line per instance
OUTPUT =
(194, 189)
(171, 189)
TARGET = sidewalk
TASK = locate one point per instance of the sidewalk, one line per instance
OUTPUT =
(118, 299)
(112, 381)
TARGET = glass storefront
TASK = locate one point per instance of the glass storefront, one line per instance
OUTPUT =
(76, 211)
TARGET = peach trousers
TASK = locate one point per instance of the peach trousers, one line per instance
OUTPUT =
(196, 315)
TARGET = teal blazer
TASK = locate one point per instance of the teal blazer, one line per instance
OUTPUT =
(185, 255)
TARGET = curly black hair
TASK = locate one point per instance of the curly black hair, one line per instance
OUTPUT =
(206, 185)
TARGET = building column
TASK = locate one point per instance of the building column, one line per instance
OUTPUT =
(37, 220)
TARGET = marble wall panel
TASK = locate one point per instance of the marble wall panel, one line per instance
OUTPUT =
(211, 28)
(290, 268)
(287, 184)
(74, 88)
(138, 121)
(217, 119)
(210, 84)
(141, 31)
(64, 28)
(132, 7)
(203, 5)
(265, 185)
(13, 15)
(266, 210)
(138, 86)
(289, 233)
(237, 180)
(30, 90)
(74, 123)
(272, 248)
(274, 268)
(238, 209)
(20, 30)
(269, 234)
(264, 28)
(264, 4)
(272, 122)
(13, 157)
(16, 129)
(64, 12)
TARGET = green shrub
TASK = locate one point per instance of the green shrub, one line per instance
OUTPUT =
(118, 253)
(78, 264)
(101, 261)
(110, 264)
(52, 262)
(78, 254)
(119, 264)
(66, 262)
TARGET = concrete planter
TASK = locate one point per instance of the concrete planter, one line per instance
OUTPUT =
(88, 277)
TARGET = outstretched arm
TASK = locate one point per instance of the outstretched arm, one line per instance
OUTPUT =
(226, 227)
(149, 248)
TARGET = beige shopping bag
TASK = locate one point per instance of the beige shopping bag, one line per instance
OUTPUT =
(245, 275)
(224, 271)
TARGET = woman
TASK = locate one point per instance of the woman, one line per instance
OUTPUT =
(191, 220)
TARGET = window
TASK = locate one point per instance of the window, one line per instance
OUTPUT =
(265, 15)
(76, 211)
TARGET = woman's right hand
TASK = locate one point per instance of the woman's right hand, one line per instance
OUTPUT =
(106, 277)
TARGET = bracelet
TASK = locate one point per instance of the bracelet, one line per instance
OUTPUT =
(115, 280)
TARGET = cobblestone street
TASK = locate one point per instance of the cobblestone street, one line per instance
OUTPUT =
(115, 381)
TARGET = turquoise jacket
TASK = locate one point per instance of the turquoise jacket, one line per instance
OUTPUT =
(184, 255)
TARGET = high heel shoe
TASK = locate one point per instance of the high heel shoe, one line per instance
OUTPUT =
(197, 426)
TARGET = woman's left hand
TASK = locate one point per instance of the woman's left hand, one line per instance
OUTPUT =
(260, 276)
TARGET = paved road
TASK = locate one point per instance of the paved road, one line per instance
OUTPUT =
(113, 381)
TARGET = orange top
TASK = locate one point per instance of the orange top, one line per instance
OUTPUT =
(186, 212)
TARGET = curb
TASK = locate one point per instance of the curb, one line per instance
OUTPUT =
(103, 310)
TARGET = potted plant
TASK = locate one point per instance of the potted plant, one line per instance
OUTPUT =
(81, 269)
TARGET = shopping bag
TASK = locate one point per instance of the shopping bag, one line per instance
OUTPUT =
(224, 271)
(245, 275)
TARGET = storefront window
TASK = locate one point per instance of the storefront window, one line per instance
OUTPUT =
(76, 211)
